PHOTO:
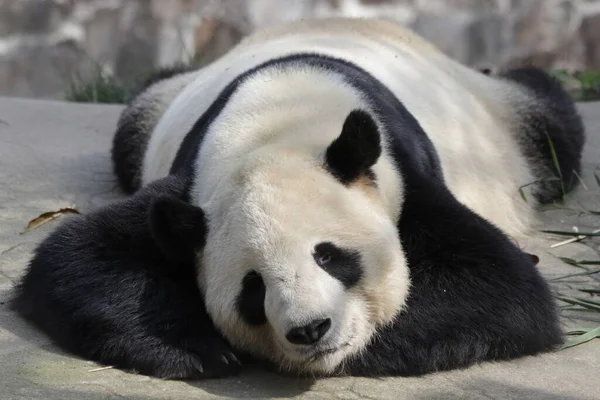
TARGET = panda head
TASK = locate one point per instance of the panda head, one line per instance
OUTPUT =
(301, 263)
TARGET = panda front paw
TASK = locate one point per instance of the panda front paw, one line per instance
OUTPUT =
(213, 358)
(200, 358)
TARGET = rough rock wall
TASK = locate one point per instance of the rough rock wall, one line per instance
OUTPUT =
(45, 44)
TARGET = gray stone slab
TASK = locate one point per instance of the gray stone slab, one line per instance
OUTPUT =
(55, 155)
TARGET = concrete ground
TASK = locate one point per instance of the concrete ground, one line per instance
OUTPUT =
(55, 155)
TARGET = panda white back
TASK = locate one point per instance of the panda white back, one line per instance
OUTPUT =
(466, 115)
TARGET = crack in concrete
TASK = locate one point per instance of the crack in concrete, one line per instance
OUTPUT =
(352, 389)
(10, 249)
(3, 253)
(113, 393)
(469, 386)
(11, 280)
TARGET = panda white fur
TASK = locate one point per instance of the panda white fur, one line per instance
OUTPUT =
(340, 192)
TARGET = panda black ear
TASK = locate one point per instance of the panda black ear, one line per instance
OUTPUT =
(178, 228)
(357, 148)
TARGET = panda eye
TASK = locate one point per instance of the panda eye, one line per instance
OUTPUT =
(342, 264)
(325, 254)
(323, 259)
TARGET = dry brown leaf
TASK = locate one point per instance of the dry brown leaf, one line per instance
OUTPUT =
(47, 217)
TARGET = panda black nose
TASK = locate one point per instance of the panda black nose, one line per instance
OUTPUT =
(309, 334)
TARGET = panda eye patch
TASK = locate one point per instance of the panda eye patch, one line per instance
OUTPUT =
(342, 264)
(251, 300)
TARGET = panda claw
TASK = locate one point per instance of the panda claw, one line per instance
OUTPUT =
(198, 365)
(234, 358)
(211, 357)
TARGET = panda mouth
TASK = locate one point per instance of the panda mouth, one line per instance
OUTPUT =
(320, 353)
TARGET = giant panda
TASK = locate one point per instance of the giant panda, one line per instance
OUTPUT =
(333, 197)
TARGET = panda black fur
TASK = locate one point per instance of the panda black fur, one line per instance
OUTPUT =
(135, 123)
(101, 288)
(474, 296)
(551, 124)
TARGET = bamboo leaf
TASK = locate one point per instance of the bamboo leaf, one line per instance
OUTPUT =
(586, 337)
(578, 331)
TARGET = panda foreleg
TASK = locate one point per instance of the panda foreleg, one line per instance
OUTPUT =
(100, 287)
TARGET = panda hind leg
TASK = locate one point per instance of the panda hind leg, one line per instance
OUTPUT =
(552, 134)
(137, 121)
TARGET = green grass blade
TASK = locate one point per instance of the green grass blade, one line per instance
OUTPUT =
(591, 302)
(590, 291)
(98, 89)
(578, 302)
(556, 165)
(568, 260)
(574, 275)
(522, 192)
(578, 263)
(573, 263)
(586, 337)
(567, 233)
